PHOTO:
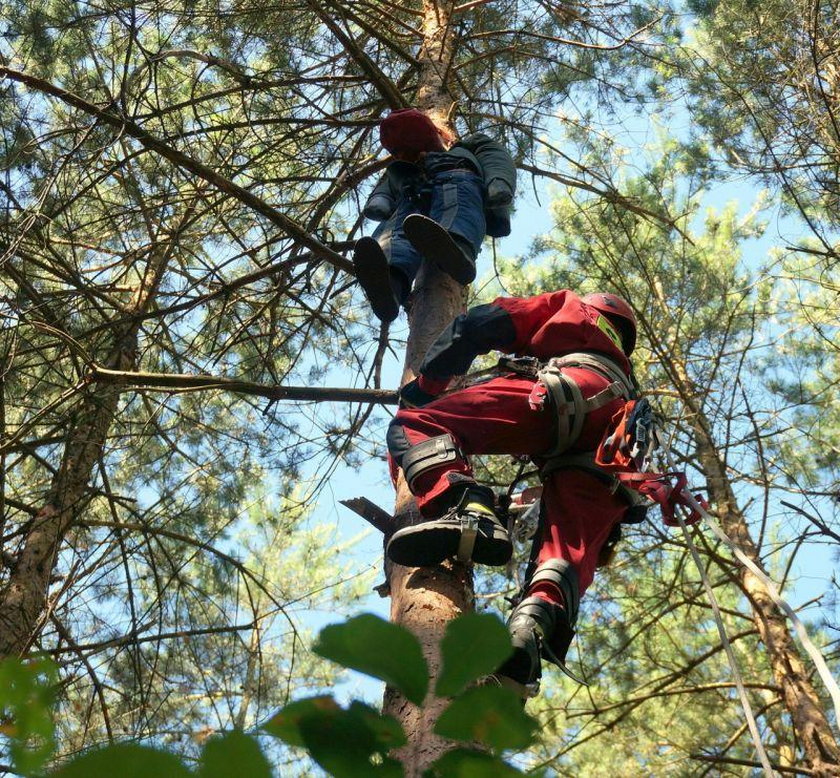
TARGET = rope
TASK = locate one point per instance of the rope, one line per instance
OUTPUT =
(730, 654)
(772, 590)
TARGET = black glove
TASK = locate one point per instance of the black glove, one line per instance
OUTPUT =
(412, 396)
(499, 193)
(379, 207)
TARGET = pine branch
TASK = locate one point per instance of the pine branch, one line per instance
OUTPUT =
(191, 383)
(748, 763)
(125, 125)
(383, 84)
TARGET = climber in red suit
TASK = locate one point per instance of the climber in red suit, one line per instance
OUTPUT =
(551, 418)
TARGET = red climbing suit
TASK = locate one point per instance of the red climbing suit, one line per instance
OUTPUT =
(495, 417)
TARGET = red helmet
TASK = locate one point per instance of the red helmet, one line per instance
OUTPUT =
(407, 132)
(619, 312)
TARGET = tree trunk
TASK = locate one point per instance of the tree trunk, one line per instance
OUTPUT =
(425, 599)
(24, 600)
(798, 694)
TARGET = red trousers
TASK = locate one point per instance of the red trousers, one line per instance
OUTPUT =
(495, 418)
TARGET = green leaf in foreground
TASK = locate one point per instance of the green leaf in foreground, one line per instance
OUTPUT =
(126, 760)
(462, 763)
(286, 723)
(474, 645)
(490, 715)
(234, 753)
(376, 647)
(27, 693)
(346, 743)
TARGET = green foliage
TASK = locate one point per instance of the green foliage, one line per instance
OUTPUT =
(27, 693)
(489, 715)
(234, 753)
(376, 647)
(126, 759)
(345, 743)
(474, 645)
(355, 741)
(463, 763)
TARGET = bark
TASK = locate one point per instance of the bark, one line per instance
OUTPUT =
(798, 694)
(24, 602)
(425, 600)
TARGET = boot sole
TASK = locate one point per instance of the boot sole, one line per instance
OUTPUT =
(374, 277)
(430, 543)
(435, 243)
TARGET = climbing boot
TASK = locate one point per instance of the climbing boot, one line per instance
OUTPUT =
(374, 276)
(539, 628)
(469, 531)
(451, 253)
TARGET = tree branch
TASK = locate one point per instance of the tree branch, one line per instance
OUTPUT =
(747, 763)
(124, 124)
(191, 383)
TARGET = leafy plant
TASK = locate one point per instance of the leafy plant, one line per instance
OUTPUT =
(354, 741)
(345, 742)
(26, 695)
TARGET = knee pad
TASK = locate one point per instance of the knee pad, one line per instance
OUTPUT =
(428, 455)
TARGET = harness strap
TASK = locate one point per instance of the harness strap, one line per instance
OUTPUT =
(569, 403)
(469, 533)
(600, 363)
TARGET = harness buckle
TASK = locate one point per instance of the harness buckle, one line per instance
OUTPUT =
(524, 366)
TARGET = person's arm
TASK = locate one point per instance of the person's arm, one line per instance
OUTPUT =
(381, 203)
(507, 324)
(481, 329)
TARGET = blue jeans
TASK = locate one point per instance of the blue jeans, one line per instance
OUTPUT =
(454, 199)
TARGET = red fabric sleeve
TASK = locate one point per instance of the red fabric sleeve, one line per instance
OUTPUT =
(557, 323)
(529, 314)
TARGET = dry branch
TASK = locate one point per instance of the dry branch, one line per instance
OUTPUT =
(186, 382)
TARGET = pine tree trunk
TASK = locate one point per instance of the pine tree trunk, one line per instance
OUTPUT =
(798, 694)
(424, 600)
(25, 599)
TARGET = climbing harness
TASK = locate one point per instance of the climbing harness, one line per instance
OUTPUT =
(568, 402)
(554, 386)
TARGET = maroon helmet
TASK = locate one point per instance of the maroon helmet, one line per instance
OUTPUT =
(619, 312)
(407, 132)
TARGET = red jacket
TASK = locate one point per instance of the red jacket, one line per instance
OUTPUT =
(547, 325)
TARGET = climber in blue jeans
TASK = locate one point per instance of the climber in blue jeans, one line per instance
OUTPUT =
(437, 200)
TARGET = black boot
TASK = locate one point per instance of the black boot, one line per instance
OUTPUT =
(383, 289)
(537, 628)
(468, 531)
(451, 253)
